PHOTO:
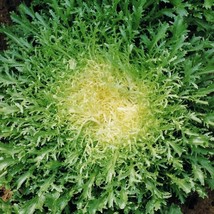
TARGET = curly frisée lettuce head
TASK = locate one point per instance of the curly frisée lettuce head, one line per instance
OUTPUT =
(106, 105)
(105, 109)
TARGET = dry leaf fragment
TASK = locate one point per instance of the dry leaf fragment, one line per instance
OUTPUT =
(6, 194)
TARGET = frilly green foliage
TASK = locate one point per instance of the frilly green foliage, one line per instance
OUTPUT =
(50, 167)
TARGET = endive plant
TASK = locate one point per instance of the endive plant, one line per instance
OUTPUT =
(106, 106)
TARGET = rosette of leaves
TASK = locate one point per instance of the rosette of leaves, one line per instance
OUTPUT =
(106, 106)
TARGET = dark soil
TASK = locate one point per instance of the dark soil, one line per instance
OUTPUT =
(6, 6)
(194, 204)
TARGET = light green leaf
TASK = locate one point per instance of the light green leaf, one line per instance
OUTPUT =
(160, 34)
(44, 187)
(208, 3)
(41, 20)
(6, 109)
(20, 41)
(198, 141)
(6, 162)
(111, 198)
(174, 209)
(182, 183)
(23, 178)
(195, 118)
(122, 199)
(206, 164)
(8, 149)
(176, 147)
(209, 119)
(29, 207)
(210, 183)
(198, 173)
